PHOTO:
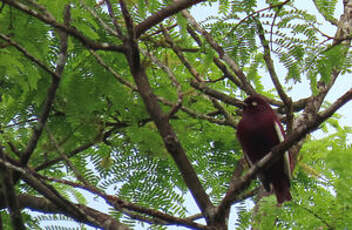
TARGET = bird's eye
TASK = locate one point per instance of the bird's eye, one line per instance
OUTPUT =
(254, 103)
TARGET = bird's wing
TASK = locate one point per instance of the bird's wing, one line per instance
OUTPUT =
(286, 155)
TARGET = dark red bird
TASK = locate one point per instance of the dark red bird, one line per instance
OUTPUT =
(258, 131)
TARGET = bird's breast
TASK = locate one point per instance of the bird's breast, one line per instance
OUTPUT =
(257, 135)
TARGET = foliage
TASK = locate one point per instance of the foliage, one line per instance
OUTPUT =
(101, 125)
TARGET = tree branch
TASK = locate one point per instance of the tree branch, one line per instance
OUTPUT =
(100, 20)
(169, 137)
(173, 79)
(314, 103)
(50, 193)
(43, 117)
(274, 78)
(329, 227)
(270, 64)
(180, 55)
(166, 131)
(70, 154)
(40, 204)
(246, 86)
(128, 21)
(216, 94)
(280, 4)
(28, 55)
(126, 207)
(66, 159)
(50, 20)
(196, 75)
(159, 16)
(113, 18)
(8, 191)
(193, 113)
(112, 71)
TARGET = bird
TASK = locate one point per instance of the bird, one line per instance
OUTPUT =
(257, 132)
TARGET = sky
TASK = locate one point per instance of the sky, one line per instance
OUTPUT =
(301, 90)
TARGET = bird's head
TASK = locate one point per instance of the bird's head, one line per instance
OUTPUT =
(255, 104)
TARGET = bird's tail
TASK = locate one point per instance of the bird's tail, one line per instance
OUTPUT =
(282, 189)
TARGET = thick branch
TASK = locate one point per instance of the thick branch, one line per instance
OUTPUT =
(128, 20)
(8, 190)
(49, 192)
(314, 103)
(170, 139)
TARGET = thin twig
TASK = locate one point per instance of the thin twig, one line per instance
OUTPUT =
(245, 85)
(14, 149)
(216, 60)
(112, 71)
(28, 55)
(332, 20)
(100, 20)
(329, 227)
(228, 117)
(198, 78)
(180, 55)
(273, 75)
(113, 18)
(201, 86)
(193, 113)
(66, 159)
(173, 79)
(74, 152)
(259, 11)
